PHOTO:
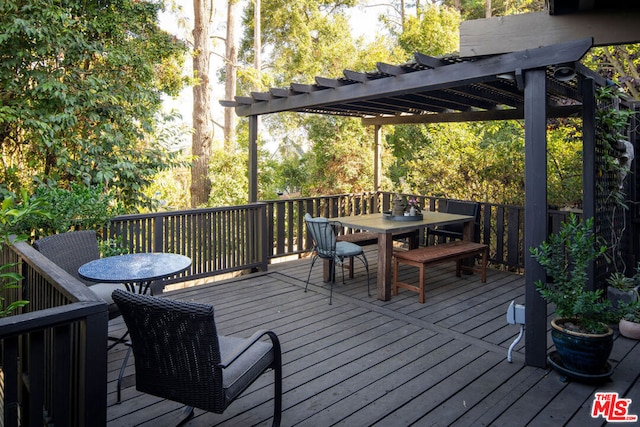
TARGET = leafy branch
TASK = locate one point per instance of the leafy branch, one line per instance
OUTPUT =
(12, 213)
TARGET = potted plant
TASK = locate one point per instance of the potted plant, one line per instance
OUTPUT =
(629, 325)
(623, 289)
(580, 331)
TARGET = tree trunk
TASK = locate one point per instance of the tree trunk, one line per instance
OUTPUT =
(257, 42)
(488, 9)
(203, 130)
(231, 58)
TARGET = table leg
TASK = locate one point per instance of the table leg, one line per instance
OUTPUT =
(468, 230)
(385, 255)
(326, 270)
(414, 239)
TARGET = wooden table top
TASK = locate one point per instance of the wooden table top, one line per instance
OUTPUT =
(377, 222)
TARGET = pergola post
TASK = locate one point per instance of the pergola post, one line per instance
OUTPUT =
(377, 161)
(589, 161)
(253, 159)
(535, 213)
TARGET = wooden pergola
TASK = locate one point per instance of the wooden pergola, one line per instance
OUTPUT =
(533, 85)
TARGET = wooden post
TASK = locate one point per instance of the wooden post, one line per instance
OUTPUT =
(253, 159)
(535, 213)
(377, 161)
(589, 162)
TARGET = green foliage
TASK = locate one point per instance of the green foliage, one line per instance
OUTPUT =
(13, 212)
(629, 310)
(465, 161)
(82, 84)
(77, 208)
(112, 247)
(229, 180)
(621, 282)
(618, 64)
(476, 9)
(565, 257)
(611, 126)
(341, 159)
(564, 163)
(306, 38)
(433, 33)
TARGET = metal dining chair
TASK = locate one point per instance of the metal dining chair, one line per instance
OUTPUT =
(180, 356)
(326, 246)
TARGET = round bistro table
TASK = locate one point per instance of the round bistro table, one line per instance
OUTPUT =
(135, 270)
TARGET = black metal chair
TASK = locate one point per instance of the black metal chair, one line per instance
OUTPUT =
(180, 356)
(71, 250)
(454, 231)
(326, 246)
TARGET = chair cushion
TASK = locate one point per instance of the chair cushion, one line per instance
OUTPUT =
(347, 249)
(243, 371)
(104, 291)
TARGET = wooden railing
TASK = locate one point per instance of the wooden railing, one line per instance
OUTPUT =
(54, 350)
(222, 240)
(501, 226)
(218, 240)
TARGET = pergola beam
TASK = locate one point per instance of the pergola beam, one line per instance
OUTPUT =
(444, 77)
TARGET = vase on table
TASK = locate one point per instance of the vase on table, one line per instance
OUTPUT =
(397, 207)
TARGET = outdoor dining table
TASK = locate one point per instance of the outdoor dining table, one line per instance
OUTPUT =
(386, 228)
(135, 270)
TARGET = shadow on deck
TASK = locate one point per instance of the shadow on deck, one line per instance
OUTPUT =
(364, 362)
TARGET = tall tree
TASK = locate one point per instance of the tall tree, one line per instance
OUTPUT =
(202, 126)
(82, 86)
(231, 64)
(620, 64)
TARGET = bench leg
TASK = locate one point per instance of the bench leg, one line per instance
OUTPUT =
(485, 254)
(421, 283)
(395, 276)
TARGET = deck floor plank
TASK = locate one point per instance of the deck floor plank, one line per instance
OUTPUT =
(361, 361)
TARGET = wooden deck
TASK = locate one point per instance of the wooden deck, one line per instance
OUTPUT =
(363, 362)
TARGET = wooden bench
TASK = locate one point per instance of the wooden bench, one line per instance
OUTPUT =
(452, 251)
(366, 238)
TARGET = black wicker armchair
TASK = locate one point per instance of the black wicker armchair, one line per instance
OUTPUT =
(180, 356)
(71, 250)
(454, 231)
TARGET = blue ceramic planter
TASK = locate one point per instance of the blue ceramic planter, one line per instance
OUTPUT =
(583, 353)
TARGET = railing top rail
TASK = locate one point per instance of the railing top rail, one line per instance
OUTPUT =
(328, 196)
(73, 289)
(196, 211)
(50, 317)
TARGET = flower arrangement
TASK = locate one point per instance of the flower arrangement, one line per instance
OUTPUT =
(412, 202)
